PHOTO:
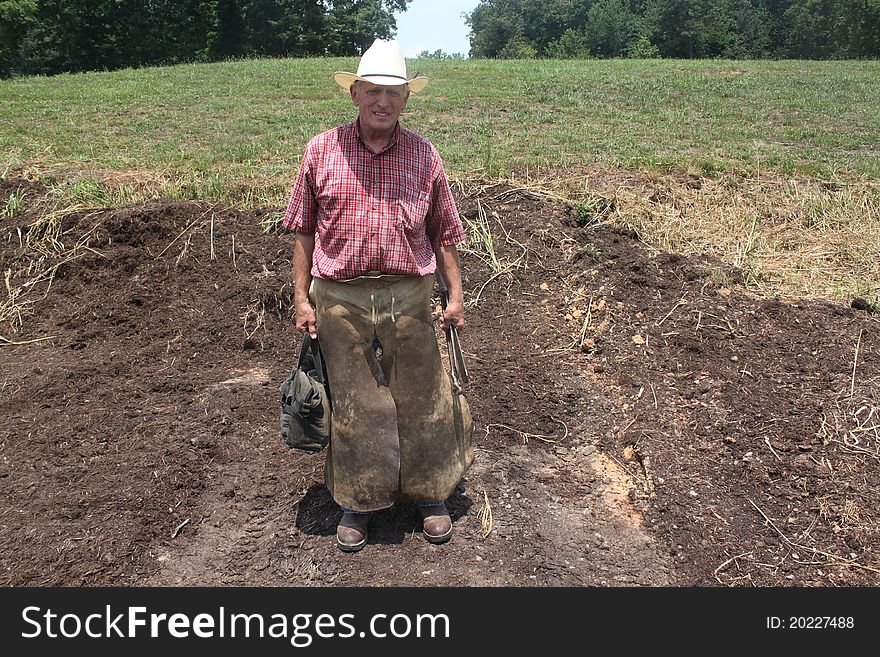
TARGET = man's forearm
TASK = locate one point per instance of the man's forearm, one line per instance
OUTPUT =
(303, 248)
(450, 270)
(302, 274)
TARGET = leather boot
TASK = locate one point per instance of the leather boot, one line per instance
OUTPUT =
(436, 523)
(351, 533)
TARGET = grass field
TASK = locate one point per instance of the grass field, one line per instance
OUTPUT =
(235, 131)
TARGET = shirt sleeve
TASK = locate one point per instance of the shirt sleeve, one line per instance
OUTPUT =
(302, 209)
(442, 223)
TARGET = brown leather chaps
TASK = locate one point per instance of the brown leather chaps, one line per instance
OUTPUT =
(399, 431)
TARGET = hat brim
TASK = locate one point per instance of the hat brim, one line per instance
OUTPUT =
(345, 80)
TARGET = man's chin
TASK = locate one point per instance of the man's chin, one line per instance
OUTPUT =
(381, 126)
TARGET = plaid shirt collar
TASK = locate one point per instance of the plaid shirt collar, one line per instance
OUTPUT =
(391, 143)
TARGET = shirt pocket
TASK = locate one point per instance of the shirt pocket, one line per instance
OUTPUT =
(342, 203)
(412, 206)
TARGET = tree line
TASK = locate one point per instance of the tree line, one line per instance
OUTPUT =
(54, 36)
(736, 29)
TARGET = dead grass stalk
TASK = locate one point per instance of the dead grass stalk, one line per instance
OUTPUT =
(487, 522)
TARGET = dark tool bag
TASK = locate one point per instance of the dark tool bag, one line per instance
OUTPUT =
(305, 401)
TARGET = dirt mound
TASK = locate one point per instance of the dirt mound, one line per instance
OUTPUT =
(637, 423)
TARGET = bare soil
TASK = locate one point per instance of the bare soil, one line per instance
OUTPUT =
(637, 423)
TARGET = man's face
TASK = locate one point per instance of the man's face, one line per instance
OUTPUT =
(379, 106)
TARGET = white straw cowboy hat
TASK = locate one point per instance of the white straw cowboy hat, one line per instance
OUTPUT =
(383, 64)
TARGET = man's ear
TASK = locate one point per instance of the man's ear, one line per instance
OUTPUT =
(353, 91)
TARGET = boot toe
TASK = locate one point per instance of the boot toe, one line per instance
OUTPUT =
(351, 534)
(436, 523)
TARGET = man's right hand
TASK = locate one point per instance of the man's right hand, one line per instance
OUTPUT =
(305, 319)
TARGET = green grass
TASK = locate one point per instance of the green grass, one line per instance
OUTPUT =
(14, 204)
(228, 129)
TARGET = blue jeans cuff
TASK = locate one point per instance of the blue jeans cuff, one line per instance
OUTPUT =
(347, 510)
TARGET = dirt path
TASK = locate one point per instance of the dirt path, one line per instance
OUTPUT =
(636, 422)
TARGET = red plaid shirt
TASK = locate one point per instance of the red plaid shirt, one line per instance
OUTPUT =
(385, 211)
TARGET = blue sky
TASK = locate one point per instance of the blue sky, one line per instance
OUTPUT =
(432, 24)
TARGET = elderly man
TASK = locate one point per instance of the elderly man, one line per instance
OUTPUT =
(374, 218)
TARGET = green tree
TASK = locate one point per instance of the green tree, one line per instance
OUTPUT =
(572, 44)
(352, 25)
(308, 34)
(611, 28)
(856, 28)
(68, 36)
(516, 28)
(776, 10)
(167, 31)
(809, 29)
(643, 48)
(227, 38)
(194, 19)
(823, 29)
(491, 28)
(519, 47)
(16, 18)
(750, 30)
(133, 34)
(51, 36)
(677, 26)
(262, 19)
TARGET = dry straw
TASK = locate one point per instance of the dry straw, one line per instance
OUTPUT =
(487, 522)
(792, 238)
(44, 249)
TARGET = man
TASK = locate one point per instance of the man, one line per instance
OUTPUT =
(374, 217)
